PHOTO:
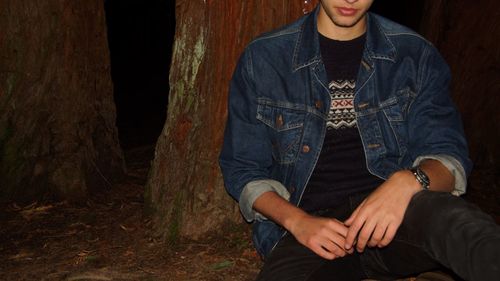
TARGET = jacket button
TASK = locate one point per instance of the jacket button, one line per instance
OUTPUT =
(279, 121)
(318, 104)
(291, 189)
(306, 148)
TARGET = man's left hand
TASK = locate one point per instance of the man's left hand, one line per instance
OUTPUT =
(376, 220)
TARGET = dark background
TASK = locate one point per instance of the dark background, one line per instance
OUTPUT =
(140, 35)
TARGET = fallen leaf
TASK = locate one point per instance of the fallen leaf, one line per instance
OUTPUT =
(31, 212)
(23, 254)
(222, 265)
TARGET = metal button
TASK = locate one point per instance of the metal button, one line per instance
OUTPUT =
(306, 148)
(279, 121)
(318, 104)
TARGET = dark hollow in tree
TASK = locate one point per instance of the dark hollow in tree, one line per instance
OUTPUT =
(140, 38)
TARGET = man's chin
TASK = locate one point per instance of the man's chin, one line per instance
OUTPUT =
(347, 23)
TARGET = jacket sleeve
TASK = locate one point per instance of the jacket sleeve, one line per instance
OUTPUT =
(435, 125)
(246, 156)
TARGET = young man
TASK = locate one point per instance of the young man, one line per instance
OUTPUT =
(343, 147)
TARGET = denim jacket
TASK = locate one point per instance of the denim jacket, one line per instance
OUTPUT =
(279, 101)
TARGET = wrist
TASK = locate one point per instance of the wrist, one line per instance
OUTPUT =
(292, 221)
(407, 180)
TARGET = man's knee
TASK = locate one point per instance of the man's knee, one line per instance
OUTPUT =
(441, 205)
(437, 214)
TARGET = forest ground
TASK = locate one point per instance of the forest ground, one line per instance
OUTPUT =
(109, 237)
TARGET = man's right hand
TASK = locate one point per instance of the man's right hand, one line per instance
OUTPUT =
(324, 236)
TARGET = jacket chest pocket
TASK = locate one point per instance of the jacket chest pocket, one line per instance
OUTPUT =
(285, 127)
(395, 110)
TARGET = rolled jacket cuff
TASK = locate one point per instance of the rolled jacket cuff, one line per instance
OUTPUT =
(254, 190)
(455, 168)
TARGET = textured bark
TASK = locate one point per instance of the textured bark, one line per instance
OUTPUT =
(57, 133)
(185, 188)
(467, 33)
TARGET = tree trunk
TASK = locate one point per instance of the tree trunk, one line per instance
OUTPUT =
(57, 132)
(467, 33)
(185, 188)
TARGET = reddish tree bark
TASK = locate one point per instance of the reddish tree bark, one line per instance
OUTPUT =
(57, 132)
(185, 188)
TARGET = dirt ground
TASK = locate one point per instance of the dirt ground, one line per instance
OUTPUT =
(109, 238)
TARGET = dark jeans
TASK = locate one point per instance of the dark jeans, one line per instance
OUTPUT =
(438, 230)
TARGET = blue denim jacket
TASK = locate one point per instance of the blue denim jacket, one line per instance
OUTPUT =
(279, 101)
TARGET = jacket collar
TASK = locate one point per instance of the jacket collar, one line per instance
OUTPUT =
(307, 50)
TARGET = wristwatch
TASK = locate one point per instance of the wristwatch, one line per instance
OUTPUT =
(421, 177)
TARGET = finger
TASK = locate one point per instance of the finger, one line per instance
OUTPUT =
(337, 227)
(353, 216)
(339, 241)
(333, 247)
(336, 232)
(353, 231)
(365, 234)
(329, 235)
(322, 252)
(377, 235)
(388, 236)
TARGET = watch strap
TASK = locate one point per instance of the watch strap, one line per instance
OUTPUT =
(421, 177)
